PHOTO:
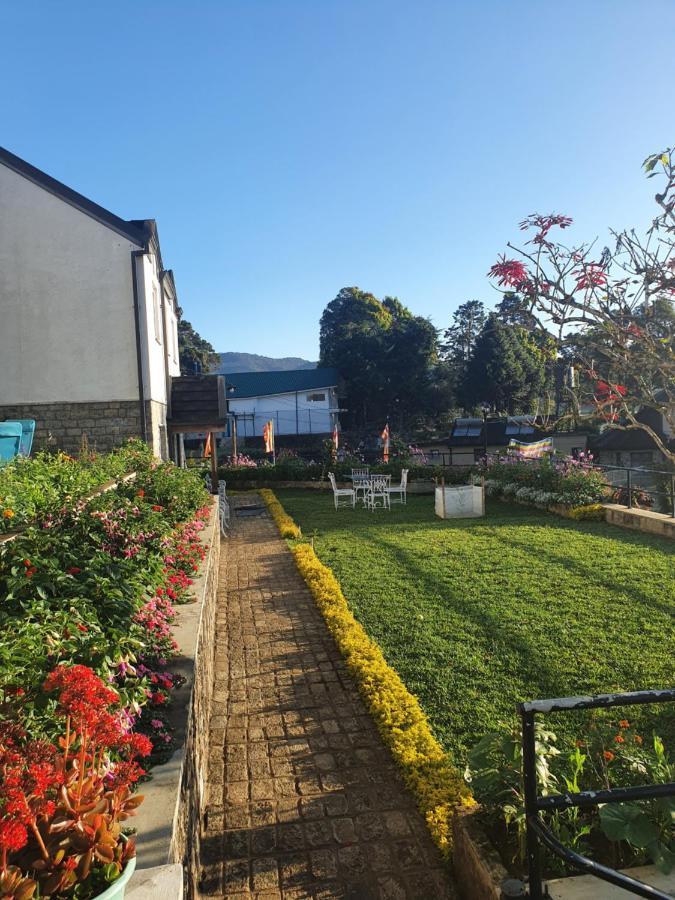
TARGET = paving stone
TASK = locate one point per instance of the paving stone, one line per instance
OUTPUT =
(304, 800)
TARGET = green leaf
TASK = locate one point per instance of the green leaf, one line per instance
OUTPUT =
(642, 831)
(616, 817)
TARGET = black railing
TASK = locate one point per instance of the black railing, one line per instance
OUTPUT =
(539, 833)
(628, 482)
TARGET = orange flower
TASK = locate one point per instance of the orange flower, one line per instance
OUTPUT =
(637, 739)
(624, 723)
(8, 513)
(620, 739)
(609, 756)
(579, 743)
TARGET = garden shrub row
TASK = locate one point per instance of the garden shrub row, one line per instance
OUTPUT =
(41, 484)
(299, 471)
(87, 597)
(436, 784)
(284, 522)
(545, 482)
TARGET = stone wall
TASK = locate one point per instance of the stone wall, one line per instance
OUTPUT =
(64, 425)
(640, 520)
(103, 425)
(168, 821)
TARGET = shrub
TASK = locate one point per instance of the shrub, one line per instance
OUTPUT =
(285, 524)
(567, 481)
(594, 512)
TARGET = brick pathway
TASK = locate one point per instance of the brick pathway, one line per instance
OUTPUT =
(303, 799)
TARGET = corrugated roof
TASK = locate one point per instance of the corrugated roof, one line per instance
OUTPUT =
(263, 384)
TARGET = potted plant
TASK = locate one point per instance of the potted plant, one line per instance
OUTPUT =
(62, 806)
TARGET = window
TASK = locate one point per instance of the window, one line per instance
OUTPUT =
(316, 398)
(468, 428)
(155, 310)
(174, 330)
(519, 425)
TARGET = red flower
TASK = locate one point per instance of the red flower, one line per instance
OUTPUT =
(82, 627)
(157, 508)
(140, 493)
(509, 272)
(13, 835)
(73, 570)
(608, 755)
(591, 276)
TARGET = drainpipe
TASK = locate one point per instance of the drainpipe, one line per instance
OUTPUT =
(136, 254)
(167, 377)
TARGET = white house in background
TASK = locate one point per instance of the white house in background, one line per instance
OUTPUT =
(88, 316)
(298, 401)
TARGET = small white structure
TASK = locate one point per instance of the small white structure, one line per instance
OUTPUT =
(459, 501)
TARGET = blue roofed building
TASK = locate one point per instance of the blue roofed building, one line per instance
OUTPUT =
(298, 401)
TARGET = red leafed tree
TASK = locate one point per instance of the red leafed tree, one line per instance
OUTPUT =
(610, 311)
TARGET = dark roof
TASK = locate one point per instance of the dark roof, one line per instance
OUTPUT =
(263, 384)
(198, 403)
(633, 439)
(139, 231)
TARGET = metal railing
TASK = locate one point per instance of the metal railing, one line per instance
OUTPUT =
(539, 833)
(630, 483)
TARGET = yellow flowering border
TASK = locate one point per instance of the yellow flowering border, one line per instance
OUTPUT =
(284, 523)
(427, 770)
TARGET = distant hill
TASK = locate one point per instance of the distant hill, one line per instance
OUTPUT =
(251, 362)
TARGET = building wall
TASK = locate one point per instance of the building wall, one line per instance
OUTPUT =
(292, 413)
(67, 329)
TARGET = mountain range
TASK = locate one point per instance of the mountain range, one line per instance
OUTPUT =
(252, 362)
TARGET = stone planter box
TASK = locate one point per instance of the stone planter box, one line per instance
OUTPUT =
(459, 501)
(168, 821)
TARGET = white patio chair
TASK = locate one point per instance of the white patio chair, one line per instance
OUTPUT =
(378, 492)
(400, 489)
(224, 514)
(360, 479)
(340, 494)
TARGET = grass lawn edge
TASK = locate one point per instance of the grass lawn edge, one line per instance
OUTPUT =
(437, 785)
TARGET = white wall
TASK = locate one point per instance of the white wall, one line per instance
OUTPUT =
(150, 302)
(313, 417)
(66, 303)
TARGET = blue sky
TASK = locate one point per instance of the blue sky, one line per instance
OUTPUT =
(288, 148)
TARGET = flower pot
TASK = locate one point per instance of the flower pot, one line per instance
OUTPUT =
(117, 889)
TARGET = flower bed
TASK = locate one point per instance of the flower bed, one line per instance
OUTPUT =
(546, 482)
(93, 586)
(436, 784)
(33, 487)
(612, 754)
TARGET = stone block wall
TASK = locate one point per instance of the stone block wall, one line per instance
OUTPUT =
(105, 425)
(185, 842)
(64, 425)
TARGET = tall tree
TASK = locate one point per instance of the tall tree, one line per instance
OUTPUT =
(383, 353)
(459, 339)
(194, 353)
(506, 370)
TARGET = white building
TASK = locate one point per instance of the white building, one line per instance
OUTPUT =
(88, 316)
(298, 401)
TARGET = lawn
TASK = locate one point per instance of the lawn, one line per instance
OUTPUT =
(477, 614)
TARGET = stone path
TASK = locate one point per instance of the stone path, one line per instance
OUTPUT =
(303, 799)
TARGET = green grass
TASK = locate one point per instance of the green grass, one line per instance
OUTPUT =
(477, 614)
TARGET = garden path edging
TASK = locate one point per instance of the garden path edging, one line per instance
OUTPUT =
(168, 820)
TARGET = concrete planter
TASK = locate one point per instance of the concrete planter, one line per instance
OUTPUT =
(459, 501)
